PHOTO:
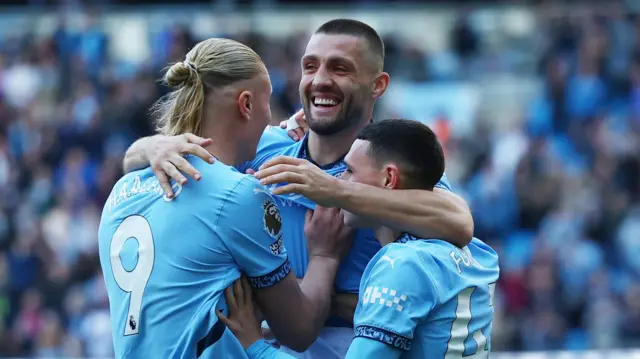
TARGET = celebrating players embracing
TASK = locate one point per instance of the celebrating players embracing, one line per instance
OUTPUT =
(342, 78)
(166, 260)
(420, 297)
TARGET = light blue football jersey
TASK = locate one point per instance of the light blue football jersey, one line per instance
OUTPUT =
(275, 142)
(166, 262)
(427, 298)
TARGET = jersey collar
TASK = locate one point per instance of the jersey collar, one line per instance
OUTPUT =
(304, 154)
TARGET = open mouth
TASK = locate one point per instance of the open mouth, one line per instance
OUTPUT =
(325, 102)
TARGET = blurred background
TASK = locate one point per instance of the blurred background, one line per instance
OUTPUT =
(537, 105)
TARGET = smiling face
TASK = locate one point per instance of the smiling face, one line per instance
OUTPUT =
(337, 85)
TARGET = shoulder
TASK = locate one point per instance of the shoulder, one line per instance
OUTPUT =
(274, 138)
(444, 183)
(398, 265)
(246, 190)
(483, 254)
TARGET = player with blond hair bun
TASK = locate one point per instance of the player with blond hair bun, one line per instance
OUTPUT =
(166, 260)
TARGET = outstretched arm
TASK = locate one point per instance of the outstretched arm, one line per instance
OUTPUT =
(431, 214)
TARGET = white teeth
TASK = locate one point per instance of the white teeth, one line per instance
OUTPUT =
(324, 101)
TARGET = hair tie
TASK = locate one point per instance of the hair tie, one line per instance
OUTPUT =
(191, 65)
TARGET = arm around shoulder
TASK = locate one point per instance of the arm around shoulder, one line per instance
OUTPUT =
(429, 214)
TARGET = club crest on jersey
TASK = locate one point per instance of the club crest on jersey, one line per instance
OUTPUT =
(272, 219)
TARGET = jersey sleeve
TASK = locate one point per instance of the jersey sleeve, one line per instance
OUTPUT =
(367, 348)
(254, 226)
(273, 138)
(444, 183)
(396, 294)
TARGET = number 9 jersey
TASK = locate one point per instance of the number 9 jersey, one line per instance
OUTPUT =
(426, 298)
(166, 262)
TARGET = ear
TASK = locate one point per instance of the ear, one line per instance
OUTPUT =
(380, 85)
(245, 104)
(392, 176)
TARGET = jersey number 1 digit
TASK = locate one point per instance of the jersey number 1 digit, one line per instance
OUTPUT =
(460, 328)
(134, 281)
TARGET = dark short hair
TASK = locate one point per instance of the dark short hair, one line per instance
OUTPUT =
(359, 29)
(412, 145)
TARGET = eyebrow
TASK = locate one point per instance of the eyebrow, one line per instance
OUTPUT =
(330, 59)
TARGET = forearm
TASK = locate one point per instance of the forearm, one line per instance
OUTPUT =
(261, 350)
(431, 214)
(299, 330)
(344, 305)
(317, 286)
(135, 157)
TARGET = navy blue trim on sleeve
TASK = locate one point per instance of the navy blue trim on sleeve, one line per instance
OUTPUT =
(384, 336)
(272, 278)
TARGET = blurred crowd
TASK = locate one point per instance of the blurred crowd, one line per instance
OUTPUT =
(556, 192)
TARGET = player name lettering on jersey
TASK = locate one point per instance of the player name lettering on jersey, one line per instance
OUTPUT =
(134, 187)
(462, 256)
(384, 296)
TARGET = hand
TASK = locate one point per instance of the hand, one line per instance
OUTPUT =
(327, 235)
(242, 320)
(303, 178)
(298, 133)
(166, 156)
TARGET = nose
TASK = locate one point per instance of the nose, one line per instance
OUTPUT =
(321, 78)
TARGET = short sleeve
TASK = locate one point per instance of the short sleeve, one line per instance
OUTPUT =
(254, 230)
(395, 296)
(273, 139)
(444, 183)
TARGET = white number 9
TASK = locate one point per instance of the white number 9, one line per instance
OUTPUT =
(135, 281)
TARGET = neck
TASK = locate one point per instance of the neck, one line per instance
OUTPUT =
(386, 235)
(325, 149)
(224, 147)
(224, 150)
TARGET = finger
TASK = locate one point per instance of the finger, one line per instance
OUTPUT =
(299, 132)
(275, 169)
(328, 213)
(184, 166)
(287, 160)
(285, 177)
(246, 287)
(163, 180)
(197, 150)
(249, 171)
(294, 135)
(289, 188)
(238, 292)
(283, 124)
(299, 116)
(171, 170)
(223, 319)
(231, 299)
(191, 138)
